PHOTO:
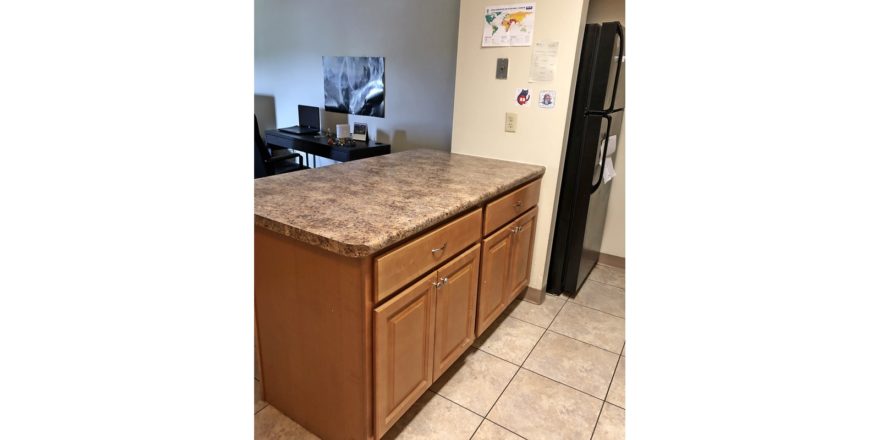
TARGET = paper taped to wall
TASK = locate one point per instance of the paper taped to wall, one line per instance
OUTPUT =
(543, 66)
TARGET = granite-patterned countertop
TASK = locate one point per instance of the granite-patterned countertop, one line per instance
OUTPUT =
(362, 207)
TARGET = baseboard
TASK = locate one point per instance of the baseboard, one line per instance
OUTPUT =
(612, 260)
(532, 295)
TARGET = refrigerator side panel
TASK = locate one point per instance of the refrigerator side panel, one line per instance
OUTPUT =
(574, 150)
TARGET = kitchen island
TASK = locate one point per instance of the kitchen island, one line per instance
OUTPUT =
(372, 277)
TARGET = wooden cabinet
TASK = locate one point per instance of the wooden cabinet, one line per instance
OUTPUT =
(493, 280)
(404, 351)
(420, 332)
(347, 345)
(521, 258)
(457, 284)
(506, 262)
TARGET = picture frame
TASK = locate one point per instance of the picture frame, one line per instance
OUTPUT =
(360, 132)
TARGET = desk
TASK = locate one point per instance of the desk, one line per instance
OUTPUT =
(317, 145)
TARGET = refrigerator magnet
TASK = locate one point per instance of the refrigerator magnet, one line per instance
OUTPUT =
(521, 97)
(547, 99)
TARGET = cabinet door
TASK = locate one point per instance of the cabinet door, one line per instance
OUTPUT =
(404, 351)
(521, 259)
(456, 308)
(493, 279)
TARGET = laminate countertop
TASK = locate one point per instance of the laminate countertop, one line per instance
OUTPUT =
(359, 208)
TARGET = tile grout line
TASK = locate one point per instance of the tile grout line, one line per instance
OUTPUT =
(456, 404)
(567, 385)
(602, 406)
(550, 378)
(527, 322)
(547, 329)
(582, 342)
(520, 367)
(605, 400)
(582, 305)
(607, 284)
(509, 310)
(487, 420)
(591, 308)
(599, 416)
(612, 377)
(478, 428)
(264, 407)
(613, 269)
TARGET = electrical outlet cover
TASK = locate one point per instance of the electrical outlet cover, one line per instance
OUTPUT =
(510, 122)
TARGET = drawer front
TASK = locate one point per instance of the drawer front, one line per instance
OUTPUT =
(279, 141)
(511, 206)
(399, 266)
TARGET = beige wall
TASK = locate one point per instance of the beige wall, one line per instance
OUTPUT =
(481, 102)
(613, 242)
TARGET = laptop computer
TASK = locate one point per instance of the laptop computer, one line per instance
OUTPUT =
(309, 121)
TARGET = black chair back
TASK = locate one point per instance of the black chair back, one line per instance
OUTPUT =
(261, 153)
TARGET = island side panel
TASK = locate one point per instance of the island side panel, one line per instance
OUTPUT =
(314, 318)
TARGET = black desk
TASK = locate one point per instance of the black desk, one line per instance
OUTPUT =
(317, 145)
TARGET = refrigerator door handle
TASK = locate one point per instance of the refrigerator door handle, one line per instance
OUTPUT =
(595, 186)
(617, 74)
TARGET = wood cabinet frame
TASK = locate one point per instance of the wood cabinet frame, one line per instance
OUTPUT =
(318, 316)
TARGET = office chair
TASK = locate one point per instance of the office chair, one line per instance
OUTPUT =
(267, 165)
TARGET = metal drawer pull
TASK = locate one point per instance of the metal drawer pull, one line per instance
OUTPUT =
(518, 203)
(436, 284)
(444, 280)
(439, 249)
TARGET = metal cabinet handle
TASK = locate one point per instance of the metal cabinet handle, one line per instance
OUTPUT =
(518, 203)
(514, 230)
(436, 284)
(444, 280)
(439, 249)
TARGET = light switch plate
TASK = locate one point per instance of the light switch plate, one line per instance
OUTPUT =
(510, 122)
(501, 68)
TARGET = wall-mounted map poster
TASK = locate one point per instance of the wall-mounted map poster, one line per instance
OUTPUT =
(510, 25)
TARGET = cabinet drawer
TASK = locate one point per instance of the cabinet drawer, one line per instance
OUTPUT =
(510, 206)
(399, 266)
(279, 141)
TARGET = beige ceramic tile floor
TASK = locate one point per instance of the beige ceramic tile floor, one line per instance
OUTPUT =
(554, 371)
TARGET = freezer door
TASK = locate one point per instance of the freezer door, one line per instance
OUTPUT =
(613, 32)
(604, 93)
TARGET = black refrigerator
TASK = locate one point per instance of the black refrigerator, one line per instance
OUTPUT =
(597, 112)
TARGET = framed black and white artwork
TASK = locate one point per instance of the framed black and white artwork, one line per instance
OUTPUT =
(355, 85)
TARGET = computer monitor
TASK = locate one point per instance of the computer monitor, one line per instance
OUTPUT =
(309, 117)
